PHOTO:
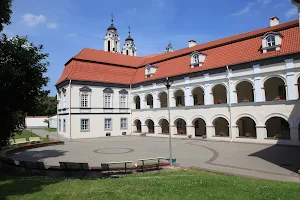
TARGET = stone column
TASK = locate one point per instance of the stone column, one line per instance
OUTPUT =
(294, 131)
(173, 130)
(144, 128)
(157, 129)
(187, 96)
(261, 133)
(142, 101)
(210, 131)
(258, 93)
(207, 91)
(171, 98)
(190, 130)
(155, 100)
(235, 131)
(290, 80)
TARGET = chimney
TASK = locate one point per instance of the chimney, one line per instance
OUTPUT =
(274, 21)
(192, 43)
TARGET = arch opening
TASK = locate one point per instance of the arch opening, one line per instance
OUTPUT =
(137, 102)
(137, 126)
(247, 127)
(221, 126)
(164, 125)
(163, 99)
(180, 126)
(198, 96)
(179, 98)
(200, 127)
(219, 94)
(278, 128)
(150, 125)
(244, 92)
(149, 101)
(275, 89)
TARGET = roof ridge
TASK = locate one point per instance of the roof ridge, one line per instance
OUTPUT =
(241, 36)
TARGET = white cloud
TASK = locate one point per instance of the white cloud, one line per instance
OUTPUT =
(51, 25)
(290, 13)
(33, 20)
(265, 1)
(244, 10)
(72, 34)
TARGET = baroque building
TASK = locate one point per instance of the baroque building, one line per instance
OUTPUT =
(243, 88)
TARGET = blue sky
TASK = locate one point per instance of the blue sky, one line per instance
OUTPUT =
(64, 27)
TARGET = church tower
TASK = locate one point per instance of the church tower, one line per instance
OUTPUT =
(169, 48)
(111, 39)
(129, 47)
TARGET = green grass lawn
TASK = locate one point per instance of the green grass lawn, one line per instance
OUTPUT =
(24, 134)
(50, 129)
(190, 184)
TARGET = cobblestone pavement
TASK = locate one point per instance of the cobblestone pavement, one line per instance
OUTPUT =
(252, 160)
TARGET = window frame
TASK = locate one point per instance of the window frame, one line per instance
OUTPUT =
(87, 94)
(87, 125)
(64, 125)
(59, 125)
(111, 125)
(271, 43)
(123, 128)
(123, 100)
(107, 100)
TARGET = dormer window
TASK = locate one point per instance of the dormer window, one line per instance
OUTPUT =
(197, 59)
(150, 70)
(271, 41)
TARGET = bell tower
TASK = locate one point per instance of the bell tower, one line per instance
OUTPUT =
(111, 39)
(129, 46)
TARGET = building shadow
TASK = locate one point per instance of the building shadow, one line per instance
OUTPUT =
(37, 155)
(285, 156)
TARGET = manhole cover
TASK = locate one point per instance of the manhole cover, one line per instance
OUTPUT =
(113, 150)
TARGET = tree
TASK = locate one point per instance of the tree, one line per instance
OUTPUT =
(5, 12)
(47, 106)
(22, 83)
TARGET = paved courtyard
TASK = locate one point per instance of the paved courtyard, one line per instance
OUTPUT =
(254, 160)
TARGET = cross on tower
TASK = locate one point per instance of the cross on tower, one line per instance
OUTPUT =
(129, 30)
(112, 18)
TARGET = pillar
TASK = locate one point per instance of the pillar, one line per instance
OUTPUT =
(207, 91)
(290, 79)
(173, 130)
(144, 128)
(261, 132)
(190, 130)
(235, 131)
(294, 131)
(142, 101)
(258, 93)
(155, 100)
(157, 129)
(171, 98)
(210, 131)
(187, 96)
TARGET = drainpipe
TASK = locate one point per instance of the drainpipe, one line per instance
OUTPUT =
(130, 109)
(229, 104)
(70, 108)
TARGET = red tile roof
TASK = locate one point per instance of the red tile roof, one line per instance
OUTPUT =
(101, 66)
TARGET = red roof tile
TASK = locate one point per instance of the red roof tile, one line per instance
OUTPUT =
(101, 66)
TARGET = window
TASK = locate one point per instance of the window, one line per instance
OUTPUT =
(127, 51)
(84, 100)
(123, 123)
(85, 125)
(59, 125)
(123, 101)
(196, 58)
(107, 124)
(107, 101)
(64, 100)
(108, 45)
(64, 125)
(271, 41)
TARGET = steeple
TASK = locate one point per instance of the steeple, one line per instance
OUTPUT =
(169, 48)
(111, 39)
(129, 47)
